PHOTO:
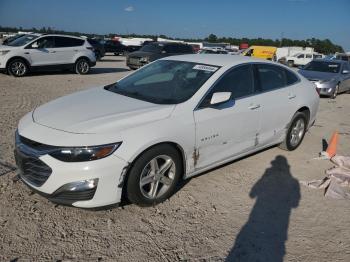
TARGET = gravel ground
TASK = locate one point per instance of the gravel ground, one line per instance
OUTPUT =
(249, 206)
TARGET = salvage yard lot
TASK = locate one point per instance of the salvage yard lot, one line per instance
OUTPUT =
(203, 220)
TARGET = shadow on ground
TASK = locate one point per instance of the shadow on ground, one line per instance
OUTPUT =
(264, 235)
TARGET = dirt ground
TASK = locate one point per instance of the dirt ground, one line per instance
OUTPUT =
(251, 206)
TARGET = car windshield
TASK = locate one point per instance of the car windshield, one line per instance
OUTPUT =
(153, 48)
(164, 81)
(22, 40)
(323, 66)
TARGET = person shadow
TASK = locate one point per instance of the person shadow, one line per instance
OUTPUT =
(264, 235)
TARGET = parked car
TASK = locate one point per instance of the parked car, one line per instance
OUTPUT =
(339, 56)
(263, 52)
(32, 52)
(170, 120)
(154, 51)
(283, 52)
(99, 48)
(331, 77)
(302, 59)
(112, 46)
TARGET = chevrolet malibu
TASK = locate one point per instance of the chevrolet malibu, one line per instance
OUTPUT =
(170, 120)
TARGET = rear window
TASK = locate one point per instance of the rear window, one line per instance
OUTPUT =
(153, 48)
(291, 77)
(68, 42)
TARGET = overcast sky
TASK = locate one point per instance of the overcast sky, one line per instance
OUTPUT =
(295, 19)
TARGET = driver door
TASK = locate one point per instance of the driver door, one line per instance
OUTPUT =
(43, 52)
(229, 129)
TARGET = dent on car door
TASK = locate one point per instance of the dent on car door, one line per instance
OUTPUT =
(228, 129)
(279, 96)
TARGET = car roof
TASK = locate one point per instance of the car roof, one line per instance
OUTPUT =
(216, 59)
(72, 36)
(332, 60)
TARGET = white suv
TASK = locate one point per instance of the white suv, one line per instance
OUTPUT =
(36, 52)
(301, 59)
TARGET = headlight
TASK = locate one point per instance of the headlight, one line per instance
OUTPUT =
(4, 52)
(81, 154)
(144, 59)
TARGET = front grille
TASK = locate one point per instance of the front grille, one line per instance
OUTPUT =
(32, 169)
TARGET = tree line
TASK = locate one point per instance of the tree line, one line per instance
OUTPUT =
(322, 46)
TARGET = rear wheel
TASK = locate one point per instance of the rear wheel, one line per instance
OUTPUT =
(290, 63)
(154, 176)
(295, 133)
(17, 68)
(82, 66)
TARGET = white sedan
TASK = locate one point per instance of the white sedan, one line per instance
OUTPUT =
(170, 120)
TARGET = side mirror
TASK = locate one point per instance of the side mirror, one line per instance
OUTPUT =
(35, 45)
(163, 52)
(345, 72)
(220, 97)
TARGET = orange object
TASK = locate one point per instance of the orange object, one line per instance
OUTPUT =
(332, 145)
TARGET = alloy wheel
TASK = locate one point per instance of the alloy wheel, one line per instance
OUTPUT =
(157, 177)
(18, 68)
(297, 132)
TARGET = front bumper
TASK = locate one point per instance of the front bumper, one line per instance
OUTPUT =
(135, 63)
(325, 88)
(109, 173)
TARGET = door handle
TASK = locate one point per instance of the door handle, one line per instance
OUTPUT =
(52, 51)
(253, 107)
(26, 53)
(292, 96)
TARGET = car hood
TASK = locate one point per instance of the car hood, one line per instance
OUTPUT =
(7, 47)
(315, 75)
(96, 111)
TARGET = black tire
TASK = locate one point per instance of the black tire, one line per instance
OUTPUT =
(336, 92)
(136, 193)
(82, 66)
(290, 63)
(98, 56)
(287, 144)
(17, 67)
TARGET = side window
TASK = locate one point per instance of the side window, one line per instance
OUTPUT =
(308, 56)
(301, 56)
(67, 42)
(346, 66)
(271, 77)
(44, 42)
(239, 81)
(317, 56)
(291, 77)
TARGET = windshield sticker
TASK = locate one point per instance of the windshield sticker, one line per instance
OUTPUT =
(205, 68)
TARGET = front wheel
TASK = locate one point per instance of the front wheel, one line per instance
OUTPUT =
(154, 175)
(335, 93)
(295, 133)
(82, 66)
(17, 68)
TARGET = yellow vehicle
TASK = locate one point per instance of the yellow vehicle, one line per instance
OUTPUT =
(264, 52)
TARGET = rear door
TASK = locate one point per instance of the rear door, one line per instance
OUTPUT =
(42, 52)
(278, 96)
(229, 129)
(66, 48)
